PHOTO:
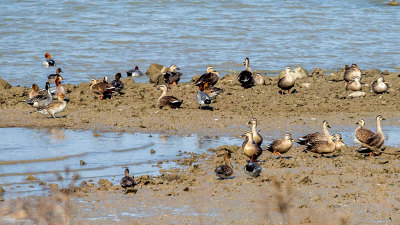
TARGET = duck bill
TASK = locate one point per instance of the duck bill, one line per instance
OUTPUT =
(328, 126)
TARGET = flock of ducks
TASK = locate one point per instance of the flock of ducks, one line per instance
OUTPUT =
(319, 142)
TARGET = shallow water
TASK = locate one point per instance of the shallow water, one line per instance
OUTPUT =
(46, 154)
(98, 38)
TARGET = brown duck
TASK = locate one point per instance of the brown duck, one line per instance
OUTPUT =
(102, 88)
(245, 77)
(339, 142)
(165, 100)
(362, 134)
(281, 146)
(251, 149)
(322, 147)
(316, 136)
(354, 85)
(351, 72)
(211, 77)
(286, 82)
(379, 86)
(225, 171)
(375, 141)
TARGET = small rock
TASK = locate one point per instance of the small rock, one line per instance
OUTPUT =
(306, 85)
(152, 151)
(317, 72)
(53, 186)
(299, 72)
(104, 182)
(306, 180)
(357, 94)
(30, 177)
(42, 183)
(186, 189)
(5, 84)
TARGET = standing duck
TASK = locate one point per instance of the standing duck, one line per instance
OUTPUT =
(379, 86)
(42, 99)
(252, 169)
(211, 77)
(362, 134)
(134, 72)
(102, 88)
(48, 60)
(202, 97)
(34, 91)
(172, 77)
(52, 77)
(281, 146)
(322, 147)
(165, 100)
(54, 107)
(351, 72)
(354, 85)
(251, 149)
(225, 171)
(213, 92)
(58, 89)
(257, 138)
(339, 142)
(127, 181)
(376, 140)
(286, 82)
(117, 83)
(246, 76)
(316, 136)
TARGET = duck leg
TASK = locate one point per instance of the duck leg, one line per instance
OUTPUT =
(174, 83)
(101, 96)
(282, 92)
(279, 155)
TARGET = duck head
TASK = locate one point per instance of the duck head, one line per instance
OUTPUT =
(379, 117)
(47, 55)
(58, 71)
(93, 82)
(246, 61)
(163, 88)
(173, 67)
(326, 124)
(338, 137)
(35, 87)
(118, 76)
(248, 134)
(60, 97)
(126, 172)
(105, 79)
(288, 136)
(252, 121)
(210, 69)
(361, 122)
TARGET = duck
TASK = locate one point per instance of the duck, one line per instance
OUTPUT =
(376, 140)
(281, 146)
(225, 171)
(354, 84)
(257, 138)
(117, 83)
(286, 82)
(54, 107)
(134, 72)
(259, 79)
(202, 97)
(211, 77)
(42, 99)
(102, 88)
(35, 91)
(322, 147)
(212, 91)
(48, 60)
(127, 181)
(351, 72)
(245, 77)
(316, 136)
(362, 134)
(165, 100)
(379, 86)
(58, 89)
(252, 169)
(171, 76)
(251, 149)
(339, 142)
(52, 77)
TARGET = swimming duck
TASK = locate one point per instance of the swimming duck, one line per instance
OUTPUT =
(117, 83)
(379, 86)
(339, 142)
(102, 88)
(362, 134)
(354, 84)
(58, 89)
(351, 72)
(246, 76)
(202, 97)
(52, 77)
(171, 101)
(322, 147)
(251, 149)
(172, 77)
(34, 91)
(257, 138)
(213, 92)
(48, 60)
(286, 82)
(225, 171)
(281, 146)
(42, 99)
(376, 140)
(211, 77)
(127, 181)
(54, 107)
(134, 72)
(316, 136)
(252, 169)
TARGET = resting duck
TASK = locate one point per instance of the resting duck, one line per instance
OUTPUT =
(362, 134)
(252, 169)
(286, 82)
(165, 100)
(127, 181)
(316, 136)
(322, 147)
(257, 138)
(213, 92)
(35, 91)
(354, 85)
(379, 86)
(202, 97)
(42, 99)
(117, 83)
(48, 60)
(259, 79)
(52, 77)
(172, 77)
(246, 76)
(134, 72)
(211, 77)
(54, 107)
(339, 142)
(225, 171)
(251, 149)
(376, 140)
(351, 72)
(58, 89)
(103, 88)
(281, 146)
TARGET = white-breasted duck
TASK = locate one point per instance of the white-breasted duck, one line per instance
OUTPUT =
(48, 60)
(134, 72)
